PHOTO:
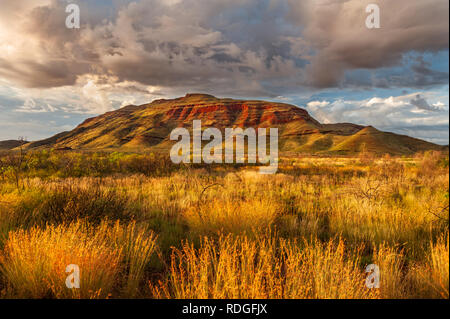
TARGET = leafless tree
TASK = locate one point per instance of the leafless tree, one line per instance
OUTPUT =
(17, 161)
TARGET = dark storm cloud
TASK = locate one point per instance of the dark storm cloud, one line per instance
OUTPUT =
(421, 103)
(336, 30)
(250, 47)
(424, 75)
(416, 73)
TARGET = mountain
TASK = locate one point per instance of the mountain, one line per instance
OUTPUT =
(149, 126)
(10, 144)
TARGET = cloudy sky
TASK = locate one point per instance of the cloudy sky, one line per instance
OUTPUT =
(317, 54)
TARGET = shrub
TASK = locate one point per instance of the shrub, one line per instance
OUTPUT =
(66, 204)
(34, 261)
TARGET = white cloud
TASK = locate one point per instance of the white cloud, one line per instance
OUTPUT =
(439, 105)
(97, 100)
(30, 106)
(314, 105)
(390, 101)
(397, 113)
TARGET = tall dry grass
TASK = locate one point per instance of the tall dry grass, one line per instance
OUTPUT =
(225, 216)
(389, 211)
(438, 261)
(240, 267)
(430, 278)
(34, 261)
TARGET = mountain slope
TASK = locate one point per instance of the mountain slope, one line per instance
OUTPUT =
(149, 126)
(375, 141)
(10, 144)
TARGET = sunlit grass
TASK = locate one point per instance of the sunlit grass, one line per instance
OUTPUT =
(239, 267)
(34, 261)
(226, 232)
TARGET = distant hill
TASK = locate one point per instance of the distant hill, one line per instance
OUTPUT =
(149, 126)
(10, 144)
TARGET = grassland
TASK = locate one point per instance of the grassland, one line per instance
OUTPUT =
(139, 226)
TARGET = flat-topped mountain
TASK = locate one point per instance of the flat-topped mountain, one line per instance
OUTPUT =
(150, 125)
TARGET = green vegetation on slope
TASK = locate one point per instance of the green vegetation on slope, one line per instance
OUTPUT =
(149, 126)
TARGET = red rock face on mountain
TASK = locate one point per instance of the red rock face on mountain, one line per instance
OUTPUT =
(233, 113)
(150, 125)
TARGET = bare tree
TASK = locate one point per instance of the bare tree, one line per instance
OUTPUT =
(17, 162)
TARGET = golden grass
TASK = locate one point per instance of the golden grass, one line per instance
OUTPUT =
(137, 247)
(307, 232)
(34, 261)
(430, 279)
(226, 216)
(239, 267)
(390, 262)
(439, 257)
